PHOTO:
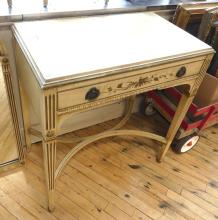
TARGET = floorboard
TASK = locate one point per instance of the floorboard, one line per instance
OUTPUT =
(118, 178)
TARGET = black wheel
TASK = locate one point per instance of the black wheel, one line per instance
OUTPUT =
(185, 144)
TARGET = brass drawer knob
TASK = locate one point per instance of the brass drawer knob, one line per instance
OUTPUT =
(181, 72)
(92, 94)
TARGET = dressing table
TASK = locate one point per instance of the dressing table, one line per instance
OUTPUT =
(72, 65)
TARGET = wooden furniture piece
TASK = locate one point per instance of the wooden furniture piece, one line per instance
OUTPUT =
(208, 32)
(67, 66)
(213, 69)
(189, 16)
(6, 71)
(208, 22)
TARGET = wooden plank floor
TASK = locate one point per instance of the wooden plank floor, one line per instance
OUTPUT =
(118, 178)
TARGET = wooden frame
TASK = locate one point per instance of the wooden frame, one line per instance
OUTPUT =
(191, 13)
(208, 22)
(4, 61)
(213, 69)
(206, 15)
(208, 32)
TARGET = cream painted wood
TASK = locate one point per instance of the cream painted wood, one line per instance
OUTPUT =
(138, 79)
(57, 72)
(182, 108)
(6, 71)
(6, 37)
(127, 114)
(110, 133)
(31, 89)
(91, 55)
(48, 112)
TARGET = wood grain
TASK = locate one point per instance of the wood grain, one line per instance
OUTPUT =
(104, 186)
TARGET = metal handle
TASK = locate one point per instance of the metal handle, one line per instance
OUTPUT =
(181, 72)
(92, 94)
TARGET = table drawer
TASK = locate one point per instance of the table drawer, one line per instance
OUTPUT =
(95, 92)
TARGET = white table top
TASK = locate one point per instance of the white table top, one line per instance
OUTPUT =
(70, 49)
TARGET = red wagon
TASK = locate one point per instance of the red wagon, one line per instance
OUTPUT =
(197, 118)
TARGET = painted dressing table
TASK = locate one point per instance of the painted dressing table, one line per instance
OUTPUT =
(71, 65)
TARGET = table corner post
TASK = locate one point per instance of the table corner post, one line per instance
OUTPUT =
(48, 111)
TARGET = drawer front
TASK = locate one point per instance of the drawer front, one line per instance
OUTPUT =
(96, 92)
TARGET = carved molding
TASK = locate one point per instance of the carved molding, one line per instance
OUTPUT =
(202, 73)
(49, 156)
(49, 114)
(49, 149)
(11, 99)
(114, 98)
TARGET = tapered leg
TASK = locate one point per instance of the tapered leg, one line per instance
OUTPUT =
(48, 112)
(49, 154)
(6, 70)
(175, 124)
(182, 108)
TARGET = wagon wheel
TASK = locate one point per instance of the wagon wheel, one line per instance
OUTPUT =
(185, 144)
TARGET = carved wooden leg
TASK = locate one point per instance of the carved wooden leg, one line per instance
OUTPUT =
(48, 112)
(49, 154)
(175, 124)
(11, 99)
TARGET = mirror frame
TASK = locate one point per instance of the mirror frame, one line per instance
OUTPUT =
(6, 70)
